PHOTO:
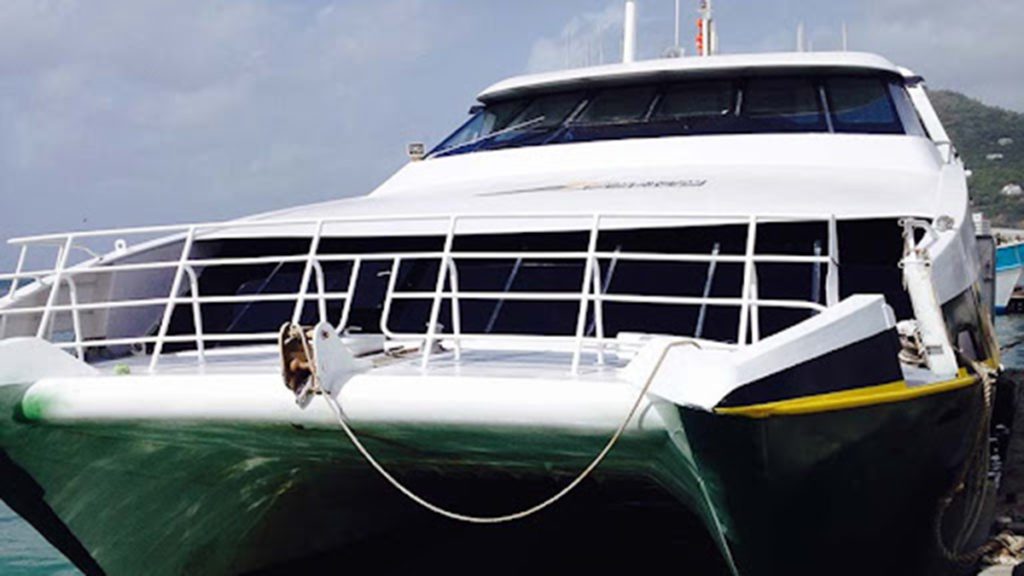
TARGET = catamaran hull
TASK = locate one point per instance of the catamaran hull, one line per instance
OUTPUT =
(853, 491)
(847, 492)
(201, 498)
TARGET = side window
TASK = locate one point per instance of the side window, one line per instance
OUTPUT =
(783, 105)
(618, 106)
(710, 99)
(907, 111)
(548, 111)
(492, 119)
(861, 104)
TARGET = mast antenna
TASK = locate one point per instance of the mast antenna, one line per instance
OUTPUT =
(679, 24)
(707, 44)
(629, 33)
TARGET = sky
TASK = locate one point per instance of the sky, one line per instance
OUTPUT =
(117, 113)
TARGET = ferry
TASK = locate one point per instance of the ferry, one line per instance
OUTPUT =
(716, 312)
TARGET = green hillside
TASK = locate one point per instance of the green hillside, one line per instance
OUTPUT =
(976, 130)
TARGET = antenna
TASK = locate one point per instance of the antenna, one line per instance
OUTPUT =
(707, 44)
(846, 38)
(800, 44)
(679, 24)
(629, 33)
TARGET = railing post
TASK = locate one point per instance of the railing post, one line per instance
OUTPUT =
(172, 299)
(385, 314)
(598, 312)
(435, 309)
(17, 271)
(51, 300)
(346, 310)
(314, 247)
(748, 273)
(588, 271)
(76, 319)
(832, 293)
(197, 315)
(755, 310)
(709, 283)
(453, 273)
(321, 303)
(14, 287)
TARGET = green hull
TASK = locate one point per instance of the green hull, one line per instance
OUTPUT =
(202, 499)
(851, 492)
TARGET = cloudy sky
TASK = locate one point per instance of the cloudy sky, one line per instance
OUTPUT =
(117, 113)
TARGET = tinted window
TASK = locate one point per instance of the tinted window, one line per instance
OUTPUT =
(521, 122)
(492, 119)
(783, 105)
(696, 100)
(548, 111)
(905, 108)
(862, 105)
(618, 105)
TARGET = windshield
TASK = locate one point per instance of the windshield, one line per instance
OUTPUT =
(864, 103)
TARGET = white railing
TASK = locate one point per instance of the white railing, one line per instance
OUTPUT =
(591, 297)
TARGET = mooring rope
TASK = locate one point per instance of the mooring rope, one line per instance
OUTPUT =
(436, 509)
(978, 464)
(1012, 345)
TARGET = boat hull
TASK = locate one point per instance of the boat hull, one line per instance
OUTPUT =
(1009, 269)
(853, 492)
(200, 498)
(841, 492)
(1007, 281)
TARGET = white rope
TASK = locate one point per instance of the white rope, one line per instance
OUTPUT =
(336, 408)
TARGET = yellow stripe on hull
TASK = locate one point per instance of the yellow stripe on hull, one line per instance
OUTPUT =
(849, 399)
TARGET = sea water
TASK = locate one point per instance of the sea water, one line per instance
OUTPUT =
(23, 552)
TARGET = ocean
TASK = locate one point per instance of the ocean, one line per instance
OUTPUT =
(23, 552)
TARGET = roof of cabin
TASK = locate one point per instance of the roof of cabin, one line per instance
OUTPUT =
(647, 69)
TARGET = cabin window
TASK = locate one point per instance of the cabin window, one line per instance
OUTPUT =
(492, 119)
(548, 111)
(617, 106)
(691, 100)
(783, 105)
(861, 104)
(906, 110)
(514, 123)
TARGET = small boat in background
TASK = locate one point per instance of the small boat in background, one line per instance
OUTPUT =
(1009, 270)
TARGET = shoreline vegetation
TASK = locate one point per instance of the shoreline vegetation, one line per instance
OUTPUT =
(991, 141)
